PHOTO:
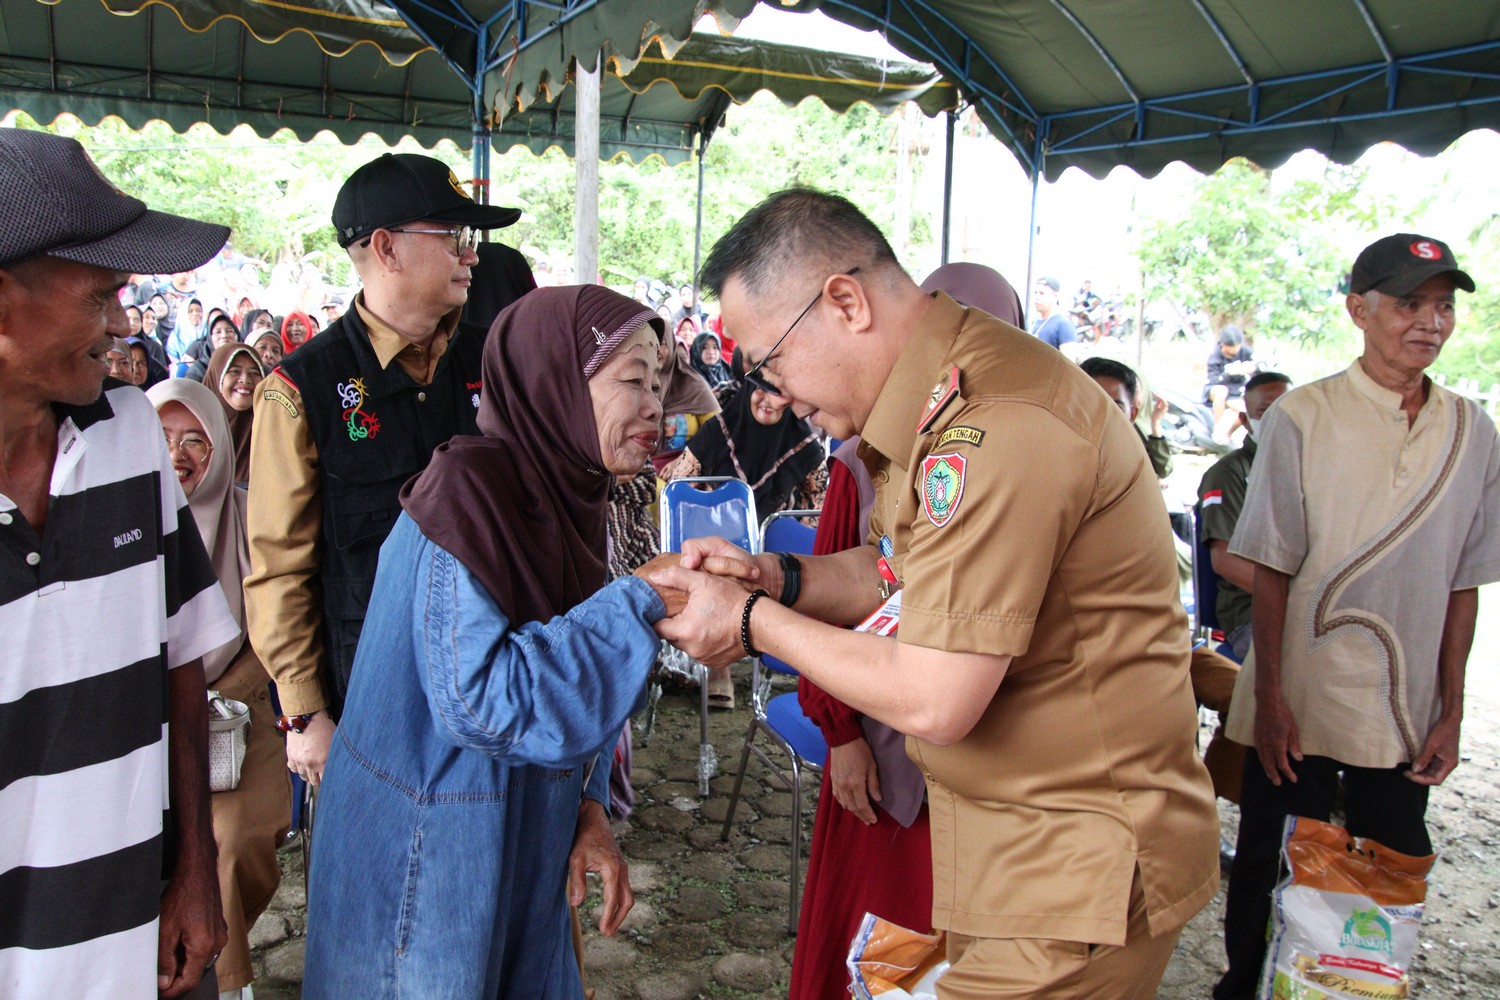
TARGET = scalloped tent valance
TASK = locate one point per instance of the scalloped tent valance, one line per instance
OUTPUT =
(1088, 83)
(355, 68)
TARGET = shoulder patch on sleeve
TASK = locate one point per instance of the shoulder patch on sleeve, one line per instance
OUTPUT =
(282, 400)
(961, 434)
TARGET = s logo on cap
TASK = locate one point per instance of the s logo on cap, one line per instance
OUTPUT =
(453, 180)
(1426, 251)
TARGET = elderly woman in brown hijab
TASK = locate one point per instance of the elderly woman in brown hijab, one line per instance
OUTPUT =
(234, 371)
(251, 819)
(495, 666)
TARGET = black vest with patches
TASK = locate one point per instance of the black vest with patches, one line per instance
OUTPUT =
(374, 429)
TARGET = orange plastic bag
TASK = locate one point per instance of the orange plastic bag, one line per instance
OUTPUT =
(888, 960)
(1344, 920)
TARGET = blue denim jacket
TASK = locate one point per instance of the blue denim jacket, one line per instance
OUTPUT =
(449, 803)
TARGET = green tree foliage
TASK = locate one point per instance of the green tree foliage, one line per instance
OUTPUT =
(1263, 259)
(646, 210)
(276, 193)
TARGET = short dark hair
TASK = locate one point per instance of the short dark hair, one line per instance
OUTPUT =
(1231, 335)
(787, 232)
(1265, 378)
(1097, 367)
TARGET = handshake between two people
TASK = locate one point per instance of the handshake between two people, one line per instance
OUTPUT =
(705, 587)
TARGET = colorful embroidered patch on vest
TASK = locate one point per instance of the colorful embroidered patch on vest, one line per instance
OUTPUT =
(942, 487)
(360, 423)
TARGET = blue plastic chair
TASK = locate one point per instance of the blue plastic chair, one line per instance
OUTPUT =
(706, 506)
(702, 507)
(1205, 589)
(781, 718)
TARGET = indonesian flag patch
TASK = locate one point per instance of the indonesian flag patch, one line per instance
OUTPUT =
(942, 486)
(1212, 497)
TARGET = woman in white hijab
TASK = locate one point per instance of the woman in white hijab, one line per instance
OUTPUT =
(252, 820)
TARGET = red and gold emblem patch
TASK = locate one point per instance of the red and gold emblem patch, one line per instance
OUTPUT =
(942, 487)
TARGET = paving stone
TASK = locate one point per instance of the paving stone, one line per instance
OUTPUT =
(774, 830)
(653, 847)
(680, 943)
(774, 804)
(608, 954)
(706, 868)
(739, 971)
(645, 876)
(706, 838)
(271, 929)
(642, 916)
(664, 819)
(699, 904)
(756, 931)
(715, 808)
(766, 858)
(669, 790)
(643, 777)
(684, 771)
(681, 984)
(764, 894)
(283, 964)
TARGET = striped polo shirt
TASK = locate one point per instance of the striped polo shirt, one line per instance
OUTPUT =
(116, 591)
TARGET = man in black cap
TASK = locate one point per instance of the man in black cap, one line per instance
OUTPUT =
(347, 418)
(103, 719)
(1370, 522)
(1230, 365)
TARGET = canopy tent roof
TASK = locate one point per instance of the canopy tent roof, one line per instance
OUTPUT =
(1087, 83)
(356, 67)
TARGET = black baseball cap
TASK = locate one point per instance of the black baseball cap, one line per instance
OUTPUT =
(1050, 282)
(1396, 265)
(55, 202)
(398, 188)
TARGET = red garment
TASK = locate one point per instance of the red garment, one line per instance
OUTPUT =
(884, 869)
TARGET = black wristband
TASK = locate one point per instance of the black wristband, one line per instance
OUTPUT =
(791, 578)
(745, 621)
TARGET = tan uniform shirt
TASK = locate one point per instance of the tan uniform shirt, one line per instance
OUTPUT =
(283, 609)
(1026, 521)
(1377, 521)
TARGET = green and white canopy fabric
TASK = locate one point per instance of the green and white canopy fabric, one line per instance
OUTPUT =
(355, 67)
(1092, 83)
(1086, 83)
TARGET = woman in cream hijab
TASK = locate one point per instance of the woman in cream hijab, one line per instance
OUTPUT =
(251, 820)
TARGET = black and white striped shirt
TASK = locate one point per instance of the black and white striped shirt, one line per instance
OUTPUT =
(93, 613)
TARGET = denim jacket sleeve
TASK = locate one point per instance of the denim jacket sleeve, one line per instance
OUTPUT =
(598, 786)
(549, 693)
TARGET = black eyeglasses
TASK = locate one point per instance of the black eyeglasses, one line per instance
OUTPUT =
(464, 238)
(753, 376)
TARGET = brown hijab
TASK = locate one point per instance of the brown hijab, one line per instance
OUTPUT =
(523, 506)
(240, 422)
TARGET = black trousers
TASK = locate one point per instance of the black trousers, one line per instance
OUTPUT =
(1379, 803)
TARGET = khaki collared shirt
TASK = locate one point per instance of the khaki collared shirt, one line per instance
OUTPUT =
(1026, 521)
(1377, 520)
(285, 520)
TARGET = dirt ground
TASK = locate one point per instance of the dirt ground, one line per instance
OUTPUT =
(709, 919)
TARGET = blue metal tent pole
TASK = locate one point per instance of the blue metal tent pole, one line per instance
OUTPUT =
(947, 192)
(481, 126)
(1036, 184)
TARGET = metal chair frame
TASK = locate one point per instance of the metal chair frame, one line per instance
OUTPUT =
(761, 705)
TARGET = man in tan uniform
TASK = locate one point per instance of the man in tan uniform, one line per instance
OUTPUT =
(1040, 665)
